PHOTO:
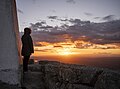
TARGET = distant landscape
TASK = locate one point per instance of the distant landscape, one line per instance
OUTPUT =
(112, 63)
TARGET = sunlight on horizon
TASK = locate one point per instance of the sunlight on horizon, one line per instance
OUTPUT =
(65, 52)
(70, 49)
(69, 52)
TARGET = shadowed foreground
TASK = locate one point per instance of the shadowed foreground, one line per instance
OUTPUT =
(55, 75)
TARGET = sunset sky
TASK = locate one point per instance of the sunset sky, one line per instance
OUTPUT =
(84, 28)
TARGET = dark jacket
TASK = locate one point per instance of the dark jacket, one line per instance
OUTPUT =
(27, 45)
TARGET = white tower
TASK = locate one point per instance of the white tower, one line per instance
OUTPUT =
(9, 43)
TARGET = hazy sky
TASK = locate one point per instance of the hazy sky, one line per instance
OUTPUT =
(32, 11)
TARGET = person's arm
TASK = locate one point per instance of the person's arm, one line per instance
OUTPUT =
(31, 44)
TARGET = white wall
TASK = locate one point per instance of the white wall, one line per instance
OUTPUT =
(9, 43)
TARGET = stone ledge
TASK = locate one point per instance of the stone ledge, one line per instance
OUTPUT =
(7, 86)
(70, 76)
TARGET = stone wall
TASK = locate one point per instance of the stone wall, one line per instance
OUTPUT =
(9, 43)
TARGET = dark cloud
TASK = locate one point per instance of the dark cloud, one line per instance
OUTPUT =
(88, 14)
(75, 21)
(109, 18)
(58, 46)
(20, 11)
(38, 25)
(95, 33)
(78, 22)
(38, 44)
(52, 17)
(35, 26)
(43, 22)
(46, 27)
(45, 36)
(71, 1)
(43, 50)
(97, 17)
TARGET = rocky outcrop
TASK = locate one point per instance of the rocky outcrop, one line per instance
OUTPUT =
(55, 75)
(8, 86)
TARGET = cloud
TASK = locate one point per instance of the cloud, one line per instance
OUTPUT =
(46, 27)
(109, 18)
(78, 22)
(75, 21)
(20, 11)
(64, 20)
(103, 53)
(88, 14)
(38, 44)
(91, 33)
(37, 25)
(43, 50)
(58, 46)
(97, 17)
(52, 17)
(43, 22)
(71, 1)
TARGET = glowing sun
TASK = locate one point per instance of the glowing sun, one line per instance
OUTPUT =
(64, 52)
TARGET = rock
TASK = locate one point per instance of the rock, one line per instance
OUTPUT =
(34, 80)
(48, 75)
(87, 76)
(7, 86)
(51, 76)
(61, 75)
(78, 86)
(35, 67)
(108, 80)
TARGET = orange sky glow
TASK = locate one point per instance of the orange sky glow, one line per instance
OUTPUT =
(78, 48)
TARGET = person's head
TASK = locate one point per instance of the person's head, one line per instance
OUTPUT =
(27, 31)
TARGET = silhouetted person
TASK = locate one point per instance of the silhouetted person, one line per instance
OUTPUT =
(27, 48)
